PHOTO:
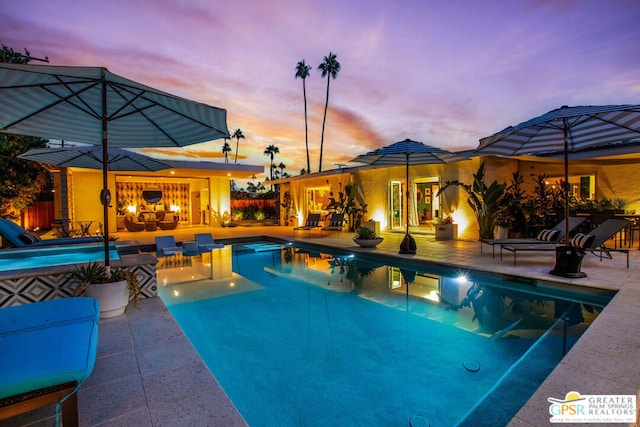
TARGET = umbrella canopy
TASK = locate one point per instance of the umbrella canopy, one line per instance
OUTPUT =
(92, 105)
(90, 157)
(413, 152)
(566, 129)
(407, 153)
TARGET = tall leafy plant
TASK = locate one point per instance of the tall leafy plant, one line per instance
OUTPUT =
(349, 203)
(483, 199)
(512, 213)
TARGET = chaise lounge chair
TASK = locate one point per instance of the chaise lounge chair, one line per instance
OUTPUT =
(335, 223)
(553, 235)
(48, 350)
(166, 245)
(206, 243)
(593, 242)
(313, 221)
(20, 238)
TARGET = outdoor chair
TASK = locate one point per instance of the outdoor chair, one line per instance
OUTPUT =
(553, 235)
(313, 221)
(205, 242)
(48, 350)
(593, 242)
(335, 223)
(21, 238)
(132, 224)
(169, 221)
(166, 245)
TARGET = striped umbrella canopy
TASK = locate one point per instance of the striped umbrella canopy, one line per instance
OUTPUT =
(90, 157)
(566, 130)
(92, 105)
(407, 153)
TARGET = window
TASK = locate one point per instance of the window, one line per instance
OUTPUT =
(317, 199)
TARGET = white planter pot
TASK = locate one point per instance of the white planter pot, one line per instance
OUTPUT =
(502, 233)
(113, 297)
(446, 231)
(369, 243)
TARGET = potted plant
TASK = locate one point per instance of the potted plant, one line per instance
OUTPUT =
(502, 226)
(445, 228)
(483, 199)
(113, 291)
(367, 238)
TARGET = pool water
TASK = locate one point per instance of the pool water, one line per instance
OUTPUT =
(19, 259)
(300, 337)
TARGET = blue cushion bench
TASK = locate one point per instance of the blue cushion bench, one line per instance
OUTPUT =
(48, 350)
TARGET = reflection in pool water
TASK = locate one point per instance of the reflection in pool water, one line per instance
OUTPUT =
(306, 337)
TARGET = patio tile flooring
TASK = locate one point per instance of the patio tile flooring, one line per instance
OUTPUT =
(148, 374)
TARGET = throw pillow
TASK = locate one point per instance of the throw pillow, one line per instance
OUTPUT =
(548, 235)
(582, 241)
(168, 217)
(29, 237)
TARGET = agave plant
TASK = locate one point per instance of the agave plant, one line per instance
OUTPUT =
(97, 273)
(365, 233)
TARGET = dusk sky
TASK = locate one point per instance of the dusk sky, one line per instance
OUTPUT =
(443, 72)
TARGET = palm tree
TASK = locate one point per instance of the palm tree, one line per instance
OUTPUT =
(225, 149)
(302, 71)
(237, 135)
(271, 151)
(330, 68)
(282, 167)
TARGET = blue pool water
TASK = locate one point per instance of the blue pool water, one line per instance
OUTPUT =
(300, 337)
(18, 259)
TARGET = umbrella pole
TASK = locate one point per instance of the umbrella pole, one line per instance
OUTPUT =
(406, 196)
(568, 260)
(565, 133)
(408, 245)
(105, 197)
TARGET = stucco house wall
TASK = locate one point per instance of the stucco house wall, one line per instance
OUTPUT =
(615, 178)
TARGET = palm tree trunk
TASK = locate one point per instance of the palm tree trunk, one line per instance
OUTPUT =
(271, 169)
(306, 128)
(236, 159)
(324, 119)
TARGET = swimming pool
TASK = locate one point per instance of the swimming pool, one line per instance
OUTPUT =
(298, 336)
(19, 259)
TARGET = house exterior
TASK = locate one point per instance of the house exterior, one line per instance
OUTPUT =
(197, 192)
(595, 175)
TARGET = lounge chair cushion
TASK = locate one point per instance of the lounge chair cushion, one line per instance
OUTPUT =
(29, 237)
(47, 343)
(548, 235)
(582, 241)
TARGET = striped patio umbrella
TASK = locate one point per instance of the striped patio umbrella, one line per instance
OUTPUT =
(566, 130)
(407, 153)
(90, 157)
(92, 105)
